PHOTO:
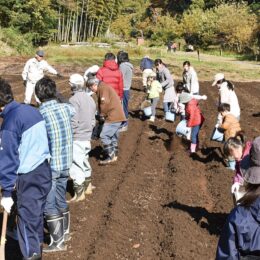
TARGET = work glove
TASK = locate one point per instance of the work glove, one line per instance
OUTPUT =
(7, 203)
(204, 97)
(235, 187)
(24, 83)
(217, 125)
(59, 75)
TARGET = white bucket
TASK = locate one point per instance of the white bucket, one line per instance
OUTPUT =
(169, 116)
(148, 111)
(217, 135)
(182, 129)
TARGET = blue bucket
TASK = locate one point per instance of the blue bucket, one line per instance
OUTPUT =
(182, 129)
(217, 136)
(169, 116)
(148, 111)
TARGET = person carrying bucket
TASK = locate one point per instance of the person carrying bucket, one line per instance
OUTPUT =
(154, 88)
(194, 118)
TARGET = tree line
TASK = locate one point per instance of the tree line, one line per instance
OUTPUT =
(232, 24)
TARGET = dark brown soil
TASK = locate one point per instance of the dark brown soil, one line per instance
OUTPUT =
(156, 202)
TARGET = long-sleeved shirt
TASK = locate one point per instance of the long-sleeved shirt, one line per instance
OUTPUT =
(190, 80)
(23, 143)
(58, 123)
(34, 70)
(83, 120)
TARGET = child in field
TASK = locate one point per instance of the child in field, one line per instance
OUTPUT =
(194, 118)
(238, 149)
(240, 238)
(154, 88)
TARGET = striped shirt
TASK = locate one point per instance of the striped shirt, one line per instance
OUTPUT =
(58, 124)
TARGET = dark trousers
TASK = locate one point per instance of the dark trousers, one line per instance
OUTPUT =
(32, 191)
(125, 102)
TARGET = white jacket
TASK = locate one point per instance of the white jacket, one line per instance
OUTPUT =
(190, 80)
(229, 96)
(34, 70)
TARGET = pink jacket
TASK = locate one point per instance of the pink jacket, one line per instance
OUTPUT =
(238, 176)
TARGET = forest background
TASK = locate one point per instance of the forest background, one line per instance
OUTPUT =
(232, 25)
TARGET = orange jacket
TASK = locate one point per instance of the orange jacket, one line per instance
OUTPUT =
(230, 125)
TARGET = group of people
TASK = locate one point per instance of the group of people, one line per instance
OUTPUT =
(38, 171)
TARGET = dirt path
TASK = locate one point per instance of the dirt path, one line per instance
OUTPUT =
(156, 202)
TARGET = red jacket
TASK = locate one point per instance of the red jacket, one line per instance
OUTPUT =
(193, 113)
(111, 75)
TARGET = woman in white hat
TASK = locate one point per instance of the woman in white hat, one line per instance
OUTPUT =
(240, 238)
(226, 95)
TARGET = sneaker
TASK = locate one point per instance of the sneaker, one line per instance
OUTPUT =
(152, 118)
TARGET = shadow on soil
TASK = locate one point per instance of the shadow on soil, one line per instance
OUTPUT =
(213, 222)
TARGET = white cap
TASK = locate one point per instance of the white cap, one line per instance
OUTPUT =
(218, 76)
(76, 79)
(93, 69)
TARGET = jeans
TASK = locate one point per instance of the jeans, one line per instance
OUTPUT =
(56, 198)
(166, 106)
(125, 102)
(154, 102)
(80, 168)
(195, 134)
(32, 190)
(110, 133)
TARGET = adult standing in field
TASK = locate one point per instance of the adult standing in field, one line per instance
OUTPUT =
(127, 71)
(33, 71)
(82, 123)
(146, 67)
(111, 113)
(24, 155)
(166, 80)
(111, 75)
(227, 95)
(57, 117)
(190, 78)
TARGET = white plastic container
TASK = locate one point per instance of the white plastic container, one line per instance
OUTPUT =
(148, 111)
(169, 116)
(217, 136)
(183, 130)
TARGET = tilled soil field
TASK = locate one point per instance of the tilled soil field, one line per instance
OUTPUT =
(156, 202)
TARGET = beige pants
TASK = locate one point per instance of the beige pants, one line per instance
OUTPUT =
(146, 72)
(29, 91)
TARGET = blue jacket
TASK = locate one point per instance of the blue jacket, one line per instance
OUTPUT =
(146, 63)
(241, 233)
(23, 143)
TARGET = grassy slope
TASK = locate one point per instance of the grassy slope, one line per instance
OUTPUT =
(208, 65)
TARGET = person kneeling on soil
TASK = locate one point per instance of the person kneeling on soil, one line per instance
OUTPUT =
(82, 123)
(240, 238)
(58, 123)
(111, 112)
(194, 118)
(236, 148)
(154, 88)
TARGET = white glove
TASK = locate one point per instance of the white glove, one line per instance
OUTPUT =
(204, 97)
(235, 187)
(217, 125)
(7, 203)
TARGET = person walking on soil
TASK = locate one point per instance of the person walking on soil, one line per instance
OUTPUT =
(33, 71)
(154, 88)
(146, 67)
(24, 155)
(240, 237)
(236, 148)
(111, 113)
(57, 117)
(190, 78)
(166, 80)
(194, 118)
(127, 71)
(226, 95)
(111, 75)
(82, 123)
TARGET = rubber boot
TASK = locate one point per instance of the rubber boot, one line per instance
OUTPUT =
(79, 192)
(33, 257)
(193, 148)
(56, 229)
(66, 224)
(109, 151)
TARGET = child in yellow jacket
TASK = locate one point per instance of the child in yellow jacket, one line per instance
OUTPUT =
(154, 88)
